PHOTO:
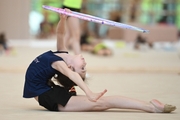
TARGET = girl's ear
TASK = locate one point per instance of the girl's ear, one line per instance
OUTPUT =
(70, 67)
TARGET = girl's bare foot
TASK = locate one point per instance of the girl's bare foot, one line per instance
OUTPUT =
(162, 108)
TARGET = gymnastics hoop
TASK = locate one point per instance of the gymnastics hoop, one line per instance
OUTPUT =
(94, 19)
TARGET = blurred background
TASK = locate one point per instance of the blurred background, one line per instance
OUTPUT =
(22, 19)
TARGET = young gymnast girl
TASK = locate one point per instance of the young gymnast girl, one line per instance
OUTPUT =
(69, 70)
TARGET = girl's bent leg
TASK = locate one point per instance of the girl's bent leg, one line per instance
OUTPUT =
(81, 103)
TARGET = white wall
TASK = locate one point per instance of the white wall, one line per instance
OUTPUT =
(14, 18)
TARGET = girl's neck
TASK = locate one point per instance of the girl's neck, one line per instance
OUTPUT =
(66, 57)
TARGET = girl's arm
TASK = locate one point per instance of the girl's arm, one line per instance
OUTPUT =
(61, 32)
(75, 77)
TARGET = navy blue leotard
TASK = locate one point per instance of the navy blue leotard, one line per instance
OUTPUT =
(38, 74)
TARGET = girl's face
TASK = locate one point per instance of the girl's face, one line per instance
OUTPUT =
(80, 65)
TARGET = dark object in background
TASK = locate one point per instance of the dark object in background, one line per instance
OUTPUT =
(141, 41)
(3, 41)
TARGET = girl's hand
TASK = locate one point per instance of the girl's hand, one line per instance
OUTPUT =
(64, 16)
(95, 96)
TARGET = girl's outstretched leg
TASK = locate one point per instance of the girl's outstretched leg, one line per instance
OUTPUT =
(81, 103)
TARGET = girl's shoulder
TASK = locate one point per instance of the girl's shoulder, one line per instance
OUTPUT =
(59, 52)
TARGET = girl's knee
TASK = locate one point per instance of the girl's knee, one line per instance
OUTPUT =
(101, 105)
